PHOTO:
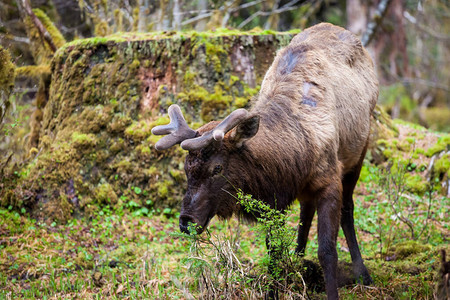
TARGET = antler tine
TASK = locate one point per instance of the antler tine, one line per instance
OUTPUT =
(177, 130)
(218, 133)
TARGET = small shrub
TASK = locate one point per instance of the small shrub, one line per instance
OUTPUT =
(219, 270)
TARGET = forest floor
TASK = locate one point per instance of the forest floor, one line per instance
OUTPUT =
(128, 254)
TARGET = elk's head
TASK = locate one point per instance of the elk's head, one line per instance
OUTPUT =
(212, 165)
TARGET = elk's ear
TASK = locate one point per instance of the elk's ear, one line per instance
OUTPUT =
(245, 130)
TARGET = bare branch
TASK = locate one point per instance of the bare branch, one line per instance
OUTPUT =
(25, 9)
(203, 14)
(428, 83)
(228, 9)
(17, 39)
(245, 5)
(287, 7)
(197, 18)
(424, 28)
(272, 13)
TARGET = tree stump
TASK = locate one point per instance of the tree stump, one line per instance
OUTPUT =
(95, 146)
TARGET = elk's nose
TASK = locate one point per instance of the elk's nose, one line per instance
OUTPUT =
(184, 223)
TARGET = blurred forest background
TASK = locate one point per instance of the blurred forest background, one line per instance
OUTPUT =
(408, 39)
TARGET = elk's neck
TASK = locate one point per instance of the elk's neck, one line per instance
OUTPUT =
(275, 163)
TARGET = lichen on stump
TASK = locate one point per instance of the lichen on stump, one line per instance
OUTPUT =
(95, 146)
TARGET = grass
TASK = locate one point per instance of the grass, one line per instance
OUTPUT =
(117, 255)
(140, 254)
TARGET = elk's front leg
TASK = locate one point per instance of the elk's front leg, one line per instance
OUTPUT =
(307, 211)
(328, 210)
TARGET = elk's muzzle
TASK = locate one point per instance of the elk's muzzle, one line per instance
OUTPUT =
(184, 223)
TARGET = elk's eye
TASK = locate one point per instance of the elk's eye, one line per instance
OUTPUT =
(217, 170)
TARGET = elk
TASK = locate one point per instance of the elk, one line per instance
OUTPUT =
(305, 138)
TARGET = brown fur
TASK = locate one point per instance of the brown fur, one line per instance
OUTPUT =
(314, 115)
(443, 279)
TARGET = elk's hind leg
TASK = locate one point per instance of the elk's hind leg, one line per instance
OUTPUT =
(328, 207)
(347, 222)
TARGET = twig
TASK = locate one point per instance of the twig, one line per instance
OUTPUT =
(427, 83)
(18, 39)
(424, 28)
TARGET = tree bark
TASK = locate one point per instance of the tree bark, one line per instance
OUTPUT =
(375, 22)
(357, 13)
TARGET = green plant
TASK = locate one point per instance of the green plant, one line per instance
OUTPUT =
(283, 268)
(217, 264)
(408, 208)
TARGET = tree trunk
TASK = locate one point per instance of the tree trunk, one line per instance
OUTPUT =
(357, 13)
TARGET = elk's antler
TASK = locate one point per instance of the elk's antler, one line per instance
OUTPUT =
(217, 133)
(177, 130)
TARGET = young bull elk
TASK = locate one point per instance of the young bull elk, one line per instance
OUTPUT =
(304, 138)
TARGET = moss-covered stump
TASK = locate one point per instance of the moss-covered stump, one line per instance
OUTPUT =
(95, 147)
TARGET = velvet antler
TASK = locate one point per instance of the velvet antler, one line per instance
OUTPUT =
(217, 133)
(177, 130)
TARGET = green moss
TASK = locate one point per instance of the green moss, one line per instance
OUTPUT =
(84, 260)
(177, 175)
(188, 77)
(161, 121)
(104, 194)
(123, 166)
(163, 189)
(408, 248)
(213, 54)
(61, 210)
(416, 184)
(119, 123)
(94, 119)
(404, 146)
(33, 71)
(388, 153)
(409, 124)
(241, 102)
(56, 35)
(442, 165)
(87, 140)
(442, 144)
(419, 151)
(138, 131)
(134, 65)
(153, 139)
(143, 150)
(117, 145)
(7, 71)
(410, 140)
(212, 104)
